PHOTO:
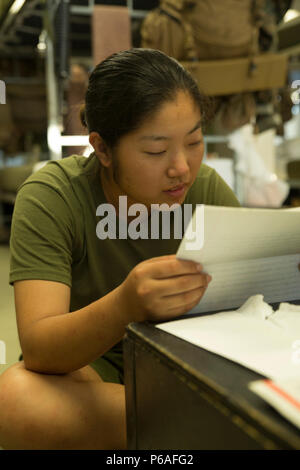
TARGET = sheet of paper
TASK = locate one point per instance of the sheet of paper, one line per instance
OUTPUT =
(247, 252)
(254, 336)
(277, 279)
(234, 234)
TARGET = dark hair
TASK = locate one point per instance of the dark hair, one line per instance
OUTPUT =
(129, 86)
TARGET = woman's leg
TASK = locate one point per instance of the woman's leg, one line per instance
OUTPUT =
(72, 411)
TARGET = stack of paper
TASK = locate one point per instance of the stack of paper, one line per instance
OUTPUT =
(247, 252)
(253, 257)
(254, 336)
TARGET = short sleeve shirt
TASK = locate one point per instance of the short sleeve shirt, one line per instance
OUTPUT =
(53, 235)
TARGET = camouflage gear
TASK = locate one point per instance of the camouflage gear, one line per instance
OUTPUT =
(165, 29)
(216, 30)
(222, 28)
(213, 29)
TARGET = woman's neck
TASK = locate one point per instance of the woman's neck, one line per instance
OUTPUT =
(112, 191)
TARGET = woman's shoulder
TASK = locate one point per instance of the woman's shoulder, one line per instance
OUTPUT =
(67, 168)
(62, 175)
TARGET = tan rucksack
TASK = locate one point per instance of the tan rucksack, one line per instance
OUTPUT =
(223, 37)
(165, 28)
(204, 29)
(225, 28)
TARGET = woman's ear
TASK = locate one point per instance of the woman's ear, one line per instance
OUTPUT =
(101, 149)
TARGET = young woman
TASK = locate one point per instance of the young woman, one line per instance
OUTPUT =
(75, 292)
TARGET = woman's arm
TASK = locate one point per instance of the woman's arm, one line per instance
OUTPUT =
(55, 341)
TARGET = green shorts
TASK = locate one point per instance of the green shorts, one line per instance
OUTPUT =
(110, 367)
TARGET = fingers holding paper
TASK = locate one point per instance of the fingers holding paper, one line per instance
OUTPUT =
(162, 288)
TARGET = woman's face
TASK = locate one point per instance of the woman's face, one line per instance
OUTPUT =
(159, 162)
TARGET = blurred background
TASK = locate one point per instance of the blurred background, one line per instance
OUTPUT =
(244, 55)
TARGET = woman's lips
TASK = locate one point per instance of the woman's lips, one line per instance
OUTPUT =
(178, 191)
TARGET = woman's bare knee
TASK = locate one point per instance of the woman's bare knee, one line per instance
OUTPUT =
(12, 398)
(77, 410)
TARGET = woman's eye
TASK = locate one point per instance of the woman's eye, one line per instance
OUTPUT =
(155, 153)
(196, 143)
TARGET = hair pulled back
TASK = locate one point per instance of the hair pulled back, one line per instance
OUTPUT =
(129, 86)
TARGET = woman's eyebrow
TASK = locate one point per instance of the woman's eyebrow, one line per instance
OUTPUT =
(197, 126)
(161, 137)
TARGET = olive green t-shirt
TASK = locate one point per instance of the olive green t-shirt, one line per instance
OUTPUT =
(53, 236)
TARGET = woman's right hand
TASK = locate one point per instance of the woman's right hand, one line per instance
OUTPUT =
(161, 288)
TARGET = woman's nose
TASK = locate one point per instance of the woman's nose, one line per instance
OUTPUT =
(178, 165)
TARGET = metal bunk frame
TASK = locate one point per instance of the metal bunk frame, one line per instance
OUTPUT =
(13, 23)
(10, 45)
(55, 140)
